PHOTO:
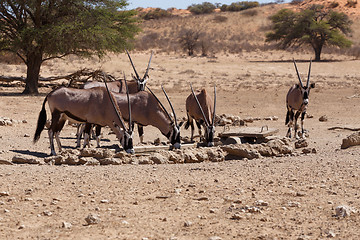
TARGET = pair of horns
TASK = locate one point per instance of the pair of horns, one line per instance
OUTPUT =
(308, 79)
(201, 109)
(162, 106)
(147, 69)
(116, 106)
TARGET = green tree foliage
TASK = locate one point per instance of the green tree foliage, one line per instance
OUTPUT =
(39, 30)
(202, 8)
(315, 26)
(238, 6)
(157, 13)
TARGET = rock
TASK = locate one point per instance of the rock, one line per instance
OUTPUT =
(236, 216)
(215, 238)
(66, 225)
(261, 203)
(92, 219)
(323, 118)
(158, 158)
(47, 213)
(5, 162)
(4, 194)
(110, 161)
(25, 159)
(175, 156)
(294, 204)
(352, 140)
(189, 157)
(187, 224)
(307, 150)
(216, 155)
(344, 211)
(89, 161)
(301, 143)
(57, 160)
(232, 140)
(241, 150)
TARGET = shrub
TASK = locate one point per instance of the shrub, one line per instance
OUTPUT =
(203, 8)
(220, 19)
(250, 13)
(239, 6)
(351, 3)
(334, 4)
(189, 40)
(157, 13)
(296, 2)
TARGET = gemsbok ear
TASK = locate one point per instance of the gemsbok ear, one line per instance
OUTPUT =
(312, 85)
(297, 86)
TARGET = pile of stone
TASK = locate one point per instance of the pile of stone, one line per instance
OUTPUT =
(228, 119)
(93, 157)
(276, 147)
(5, 121)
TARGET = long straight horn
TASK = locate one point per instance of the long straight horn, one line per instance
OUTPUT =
(213, 118)
(113, 102)
(161, 105)
(129, 105)
(298, 74)
(308, 79)
(172, 108)
(132, 64)
(147, 69)
(197, 101)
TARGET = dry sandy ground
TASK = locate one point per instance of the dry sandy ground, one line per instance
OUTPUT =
(192, 201)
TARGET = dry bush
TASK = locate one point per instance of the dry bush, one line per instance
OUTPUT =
(351, 3)
(296, 2)
(250, 13)
(354, 51)
(334, 4)
(220, 19)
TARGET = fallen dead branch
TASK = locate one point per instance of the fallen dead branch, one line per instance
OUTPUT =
(80, 76)
(344, 128)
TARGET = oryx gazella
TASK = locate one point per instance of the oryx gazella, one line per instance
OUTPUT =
(119, 86)
(297, 99)
(201, 108)
(95, 105)
(146, 109)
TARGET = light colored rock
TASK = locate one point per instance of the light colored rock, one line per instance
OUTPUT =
(5, 162)
(158, 158)
(110, 161)
(66, 225)
(301, 143)
(352, 140)
(4, 194)
(25, 159)
(92, 219)
(344, 211)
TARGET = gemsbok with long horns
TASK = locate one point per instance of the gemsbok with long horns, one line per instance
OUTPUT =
(297, 99)
(201, 108)
(96, 106)
(135, 86)
(146, 109)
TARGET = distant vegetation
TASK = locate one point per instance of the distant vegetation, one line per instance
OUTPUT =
(156, 13)
(238, 6)
(203, 8)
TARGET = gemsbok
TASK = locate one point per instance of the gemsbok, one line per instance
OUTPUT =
(297, 99)
(135, 86)
(146, 109)
(95, 106)
(201, 108)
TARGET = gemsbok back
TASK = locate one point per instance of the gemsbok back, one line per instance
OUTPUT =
(201, 108)
(297, 99)
(95, 105)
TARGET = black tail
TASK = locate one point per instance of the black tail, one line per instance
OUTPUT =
(41, 122)
(187, 124)
(287, 117)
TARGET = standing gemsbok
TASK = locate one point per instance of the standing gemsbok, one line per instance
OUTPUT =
(95, 106)
(201, 108)
(297, 99)
(135, 86)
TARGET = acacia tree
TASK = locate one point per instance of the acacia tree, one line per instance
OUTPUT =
(40, 30)
(315, 26)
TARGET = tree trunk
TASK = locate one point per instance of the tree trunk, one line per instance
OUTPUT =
(34, 61)
(317, 53)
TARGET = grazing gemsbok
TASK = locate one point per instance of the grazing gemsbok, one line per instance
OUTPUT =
(297, 99)
(95, 105)
(146, 109)
(118, 86)
(199, 108)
